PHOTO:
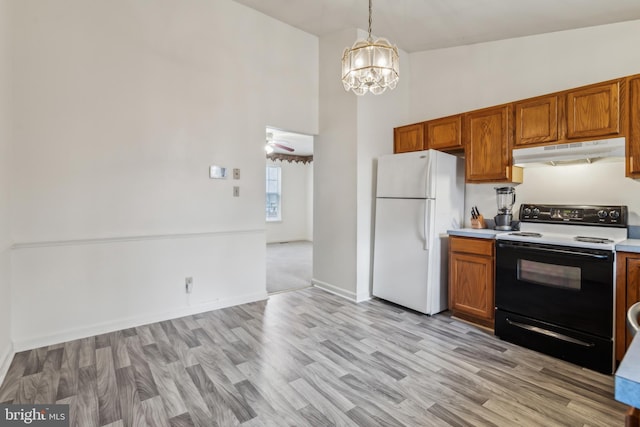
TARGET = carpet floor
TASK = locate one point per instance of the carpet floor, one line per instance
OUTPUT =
(289, 266)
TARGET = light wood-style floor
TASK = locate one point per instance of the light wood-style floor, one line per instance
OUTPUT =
(308, 358)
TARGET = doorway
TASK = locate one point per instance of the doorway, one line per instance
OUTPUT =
(288, 209)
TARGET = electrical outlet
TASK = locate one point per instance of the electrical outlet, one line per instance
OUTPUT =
(236, 191)
(188, 285)
(236, 173)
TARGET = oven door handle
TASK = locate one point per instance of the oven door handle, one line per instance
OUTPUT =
(549, 333)
(556, 251)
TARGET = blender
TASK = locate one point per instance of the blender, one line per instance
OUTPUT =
(505, 198)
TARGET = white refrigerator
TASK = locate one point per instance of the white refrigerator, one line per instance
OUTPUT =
(419, 196)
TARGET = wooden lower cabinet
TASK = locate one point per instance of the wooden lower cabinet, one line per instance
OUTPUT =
(472, 279)
(627, 293)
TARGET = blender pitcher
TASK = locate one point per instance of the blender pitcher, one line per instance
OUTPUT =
(505, 198)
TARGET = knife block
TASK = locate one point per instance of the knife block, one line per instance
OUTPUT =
(478, 222)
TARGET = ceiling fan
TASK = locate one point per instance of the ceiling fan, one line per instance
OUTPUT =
(273, 143)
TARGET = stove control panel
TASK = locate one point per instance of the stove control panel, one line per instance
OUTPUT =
(609, 216)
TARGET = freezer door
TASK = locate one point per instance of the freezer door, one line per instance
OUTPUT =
(407, 175)
(402, 253)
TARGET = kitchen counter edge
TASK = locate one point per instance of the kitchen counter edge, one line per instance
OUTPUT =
(482, 233)
(627, 377)
(629, 245)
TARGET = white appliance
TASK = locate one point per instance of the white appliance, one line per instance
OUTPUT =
(584, 151)
(420, 195)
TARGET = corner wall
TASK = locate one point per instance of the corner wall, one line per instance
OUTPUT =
(120, 109)
(6, 346)
(354, 131)
(335, 174)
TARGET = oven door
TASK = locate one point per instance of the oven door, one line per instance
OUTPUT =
(561, 285)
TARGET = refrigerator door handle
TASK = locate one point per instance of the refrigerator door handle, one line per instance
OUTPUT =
(427, 223)
(429, 178)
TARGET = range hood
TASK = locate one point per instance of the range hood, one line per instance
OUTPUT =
(573, 152)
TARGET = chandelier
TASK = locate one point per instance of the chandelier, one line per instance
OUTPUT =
(370, 66)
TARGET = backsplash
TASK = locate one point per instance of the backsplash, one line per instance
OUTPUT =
(599, 183)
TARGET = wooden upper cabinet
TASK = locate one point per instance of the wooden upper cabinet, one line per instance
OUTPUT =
(537, 120)
(408, 138)
(594, 111)
(444, 134)
(633, 137)
(487, 136)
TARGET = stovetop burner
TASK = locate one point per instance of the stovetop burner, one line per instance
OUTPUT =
(593, 239)
(597, 227)
(526, 234)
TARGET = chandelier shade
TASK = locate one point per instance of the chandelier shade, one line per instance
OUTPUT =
(370, 66)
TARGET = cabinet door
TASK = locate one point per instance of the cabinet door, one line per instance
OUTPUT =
(444, 134)
(537, 121)
(408, 138)
(594, 111)
(471, 286)
(488, 144)
(627, 293)
(633, 138)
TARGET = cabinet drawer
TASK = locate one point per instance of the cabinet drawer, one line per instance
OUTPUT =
(471, 245)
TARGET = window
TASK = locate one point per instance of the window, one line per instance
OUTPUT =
(273, 193)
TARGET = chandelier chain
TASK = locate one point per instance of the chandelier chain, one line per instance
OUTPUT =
(370, 19)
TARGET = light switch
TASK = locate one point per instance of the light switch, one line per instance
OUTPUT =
(236, 173)
(236, 191)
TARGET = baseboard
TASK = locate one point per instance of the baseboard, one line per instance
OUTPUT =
(102, 328)
(5, 361)
(362, 297)
(351, 296)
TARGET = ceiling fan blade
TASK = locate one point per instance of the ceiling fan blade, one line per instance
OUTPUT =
(284, 147)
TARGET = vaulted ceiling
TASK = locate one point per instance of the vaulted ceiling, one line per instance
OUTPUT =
(416, 25)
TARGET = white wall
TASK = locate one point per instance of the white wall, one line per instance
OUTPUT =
(600, 183)
(354, 131)
(295, 225)
(456, 80)
(64, 291)
(6, 348)
(309, 194)
(120, 108)
(335, 174)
